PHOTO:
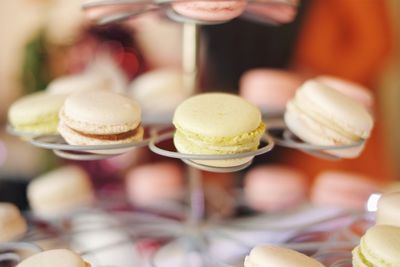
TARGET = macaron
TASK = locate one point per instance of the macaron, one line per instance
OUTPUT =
(284, 12)
(270, 255)
(36, 113)
(159, 91)
(274, 188)
(269, 89)
(389, 209)
(55, 257)
(70, 84)
(210, 10)
(59, 192)
(218, 124)
(12, 224)
(320, 115)
(341, 189)
(356, 91)
(100, 117)
(379, 247)
(155, 183)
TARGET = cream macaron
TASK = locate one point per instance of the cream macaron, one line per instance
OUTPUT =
(155, 183)
(55, 257)
(379, 247)
(323, 116)
(275, 188)
(100, 117)
(218, 124)
(270, 255)
(60, 192)
(12, 224)
(36, 113)
(389, 209)
(70, 84)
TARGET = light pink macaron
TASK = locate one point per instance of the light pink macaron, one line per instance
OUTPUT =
(275, 188)
(153, 183)
(96, 13)
(356, 91)
(212, 10)
(269, 89)
(342, 189)
(277, 12)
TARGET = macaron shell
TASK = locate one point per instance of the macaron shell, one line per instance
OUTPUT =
(311, 132)
(36, 112)
(76, 83)
(74, 138)
(210, 10)
(381, 245)
(357, 258)
(56, 257)
(100, 112)
(336, 108)
(388, 212)
(217, 115)
(269, 255)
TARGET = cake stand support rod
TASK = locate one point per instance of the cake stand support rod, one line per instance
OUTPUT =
(190, 57)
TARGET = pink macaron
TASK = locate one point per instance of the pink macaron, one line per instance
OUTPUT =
(276, 12)
(98, 12)
(151, 184)
(269, 89)
(356, 91)
(340, 189)
(275, 188)
(211, 10)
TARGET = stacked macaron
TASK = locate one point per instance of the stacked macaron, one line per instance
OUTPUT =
(36, 113)
(379, 247)
(215, 11)
(60, 192)
(100, 117)
(55, 257)
(270, 255)
(218, 124)
(320, 115)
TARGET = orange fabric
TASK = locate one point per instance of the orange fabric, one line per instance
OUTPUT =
(349, 39)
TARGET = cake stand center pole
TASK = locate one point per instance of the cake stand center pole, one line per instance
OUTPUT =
(190, 57)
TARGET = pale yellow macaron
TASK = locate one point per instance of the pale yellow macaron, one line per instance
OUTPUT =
(53, 258)
(12, 224)
(389, 209)
(218, 124)
(274, 256)
(60, 192)
(379, 247)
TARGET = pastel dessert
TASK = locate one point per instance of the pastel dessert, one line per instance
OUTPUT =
(270, 255)
(341, 189)
(275, 188)
(284, 12)
(60, 192)
(155, 183)
(213, 10)
(389, 209)
(12, 224)
(36, 113)
(100, 117)
(55, 257)
(356, 91)
(70, 84)
(379, 247)
(269, 89)
(320, 115)
(159, 91)
(218, 124)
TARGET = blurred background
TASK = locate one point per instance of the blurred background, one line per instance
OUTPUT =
(42, 40)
